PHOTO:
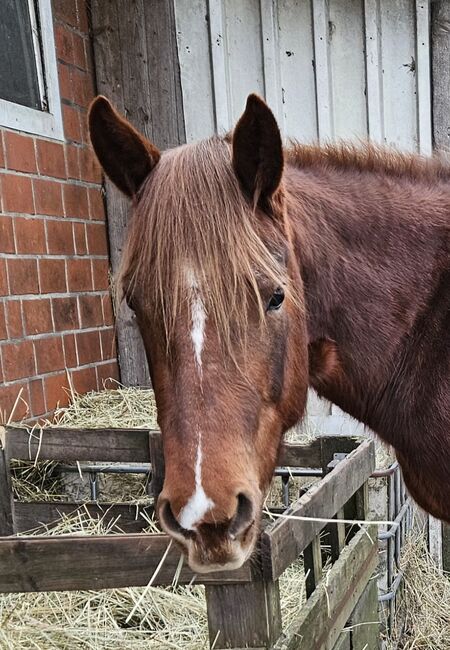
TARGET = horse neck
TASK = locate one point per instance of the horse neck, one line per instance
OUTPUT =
(368, 271)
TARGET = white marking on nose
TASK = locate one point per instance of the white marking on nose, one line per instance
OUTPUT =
(198, 316)
(199, 504)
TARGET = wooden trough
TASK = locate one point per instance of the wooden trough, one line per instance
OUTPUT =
(244, 605)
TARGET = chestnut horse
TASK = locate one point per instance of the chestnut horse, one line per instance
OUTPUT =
(256, 271)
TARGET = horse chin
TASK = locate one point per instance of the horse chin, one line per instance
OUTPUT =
(236, 556)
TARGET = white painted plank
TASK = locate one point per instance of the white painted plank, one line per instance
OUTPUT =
(374, 75)
(298, 85)
(347, 68)
(271, 58)
(195, 68)
(399, 76)
(323, 71)
(423, 76)
(435, 540)
(245, 60)
(220, 70)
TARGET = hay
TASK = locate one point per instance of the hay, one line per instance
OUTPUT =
(424, 612)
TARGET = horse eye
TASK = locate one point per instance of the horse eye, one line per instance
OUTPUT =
(276, 300)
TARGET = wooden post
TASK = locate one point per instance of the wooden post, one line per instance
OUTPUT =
(136, 65)
(440, 72)
(244, 615)
(157, 463)
(6, 515)
(335, 532)
(312, 558)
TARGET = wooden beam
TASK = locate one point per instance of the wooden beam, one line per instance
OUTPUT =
(108, 445)
(31, 514)
(75, 562)
(283, 541)
(6, 518)
(137, 67)
(321, 620)
(244, 615)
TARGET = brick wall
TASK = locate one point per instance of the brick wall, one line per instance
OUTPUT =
(56, 320)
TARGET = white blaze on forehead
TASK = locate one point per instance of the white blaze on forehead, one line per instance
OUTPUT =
(199, 504)
(198, 316)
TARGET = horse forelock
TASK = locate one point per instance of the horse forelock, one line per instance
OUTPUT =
(192, 214)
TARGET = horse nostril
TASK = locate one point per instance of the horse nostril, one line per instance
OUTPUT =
(169, 521)
(244, 516)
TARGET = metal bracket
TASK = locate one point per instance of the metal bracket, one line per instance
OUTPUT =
(337, 457)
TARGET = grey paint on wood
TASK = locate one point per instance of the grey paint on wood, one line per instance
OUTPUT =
(137, 67)
(440, 66)
(6, 524)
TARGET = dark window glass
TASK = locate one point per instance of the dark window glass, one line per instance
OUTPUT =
(18, 72)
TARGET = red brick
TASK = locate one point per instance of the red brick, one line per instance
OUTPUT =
(83, 22)
(30, 235)
(108, 316)
(79, 54)
(60, 238)
(79, 274)
(83, 92)
(37, 316)
(91, 312)
(84, 126)
(6, 235)
(2, 153)
(56, 391)
(89, 166)
(52, 276)
(17, 194)
(23, 276)
(76, 201)
(65, 313)
(18, 360)
(37, 398)
(50, 157)
(72, 126)
(9, 399)
(70, 351)
(3, 278)
(84, 380)
(88, 347)
(49, 354)
(96, 204)
(63, 43)
(108, 340)
(79, 235)
(3, 332)
(14, 320)
(48, 197)
(66, 11)
(65, 82)
(97, 239)
(72, 162)
(20, 154)
(101, 275)
(108, 375)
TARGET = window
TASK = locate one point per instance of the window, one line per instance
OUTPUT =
(29, 90)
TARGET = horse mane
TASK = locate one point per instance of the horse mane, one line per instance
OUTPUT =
(192, 218)
(369, 157)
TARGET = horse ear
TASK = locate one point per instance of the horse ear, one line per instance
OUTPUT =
(257, 150)
(123, 153)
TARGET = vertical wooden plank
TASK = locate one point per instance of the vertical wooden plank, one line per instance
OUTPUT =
(423, 76)
(192, 28)
(243, 616)
(440, 52)
(363, 623)
(220, 71)
(435, 540)
(446, 547)
(298, 85)
(312, 558)
(137, 67)
(321, 20)
(374, 70)
(6, 516)
(271, 58)
(245, 58)
(347, 68)
(157, 463)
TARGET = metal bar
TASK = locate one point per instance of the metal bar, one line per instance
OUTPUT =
(381, 473)
(394, 528)
(383, 598)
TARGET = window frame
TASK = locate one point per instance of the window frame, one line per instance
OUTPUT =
(47, 123)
